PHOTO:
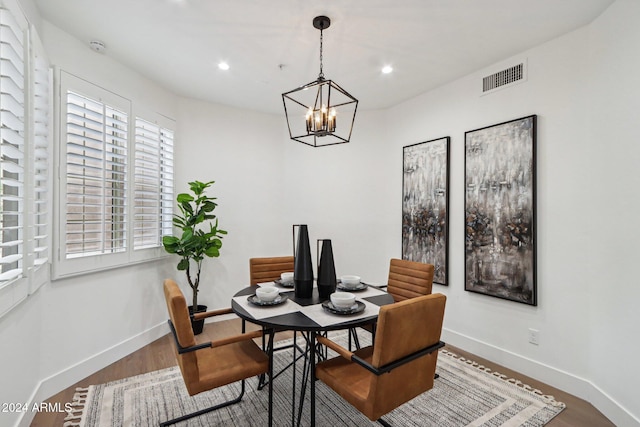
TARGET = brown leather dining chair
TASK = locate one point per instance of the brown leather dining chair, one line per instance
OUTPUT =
(407, 279)
(213, 364)
(398, 367)
(267, 269)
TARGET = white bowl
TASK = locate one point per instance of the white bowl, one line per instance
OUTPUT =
(343, 299)
(267, 293)
(286, 277)
(350, 281)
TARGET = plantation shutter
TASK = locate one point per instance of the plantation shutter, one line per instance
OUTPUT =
(12, 147)
(166, 182)
(153, 184)
(96, 174)
(40, 159)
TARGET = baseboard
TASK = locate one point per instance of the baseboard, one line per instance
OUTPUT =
(557, 378)
(618, 415)
(71, 375)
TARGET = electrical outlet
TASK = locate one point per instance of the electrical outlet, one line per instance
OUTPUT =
(534, 336)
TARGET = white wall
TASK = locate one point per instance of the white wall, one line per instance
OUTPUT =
(614, 201)
(584, 89)
(265, 183)
(75, 57)
(242, 152)
(347, 193)
(21, 335)
(459, 107)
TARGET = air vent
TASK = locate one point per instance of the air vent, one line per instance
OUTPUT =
(508, 77)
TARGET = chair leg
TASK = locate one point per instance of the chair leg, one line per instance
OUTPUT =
(206, 410)
(373, 333)
(384, 423)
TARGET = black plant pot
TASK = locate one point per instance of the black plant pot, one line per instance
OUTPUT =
(197, 325)
(302, 267)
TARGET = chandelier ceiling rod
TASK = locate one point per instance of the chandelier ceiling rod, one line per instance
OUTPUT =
(321, 23)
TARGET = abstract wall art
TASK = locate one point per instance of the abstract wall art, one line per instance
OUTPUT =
(425, 205)
(500, 205)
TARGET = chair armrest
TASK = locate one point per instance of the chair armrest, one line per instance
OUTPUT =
(378, 371)
(383, 369)
(391, 366)
(335, 347)
(206, 314)
(209, 344)
(181, 349)
(236, 338)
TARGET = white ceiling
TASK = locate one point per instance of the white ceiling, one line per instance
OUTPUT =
(272, 47)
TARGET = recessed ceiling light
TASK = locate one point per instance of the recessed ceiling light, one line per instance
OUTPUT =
(387, 69)
(223, 66)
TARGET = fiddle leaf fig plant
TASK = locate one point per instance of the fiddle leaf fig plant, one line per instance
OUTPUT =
(200, 235)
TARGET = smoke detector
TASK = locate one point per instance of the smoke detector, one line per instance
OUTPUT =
(97, 46)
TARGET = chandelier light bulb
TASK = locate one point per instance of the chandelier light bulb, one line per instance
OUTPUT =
(332, 120)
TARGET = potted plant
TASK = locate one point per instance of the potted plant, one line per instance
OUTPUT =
(196, 241)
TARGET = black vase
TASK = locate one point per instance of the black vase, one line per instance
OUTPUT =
(302, 268)
(326, 271)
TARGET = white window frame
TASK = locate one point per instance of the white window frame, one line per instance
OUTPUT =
(67, 267)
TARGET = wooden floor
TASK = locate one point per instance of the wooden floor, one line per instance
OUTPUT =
(159, 354)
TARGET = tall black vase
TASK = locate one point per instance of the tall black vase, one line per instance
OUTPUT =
(326, 271)
(302, 267)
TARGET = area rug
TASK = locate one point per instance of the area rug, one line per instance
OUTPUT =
(465, 394)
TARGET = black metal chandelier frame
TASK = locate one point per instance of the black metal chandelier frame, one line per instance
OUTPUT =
(320, 118)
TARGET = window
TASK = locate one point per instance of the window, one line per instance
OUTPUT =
(25, 203)
(12, 144)
(153, 184)
(96, 176)
(116, 180)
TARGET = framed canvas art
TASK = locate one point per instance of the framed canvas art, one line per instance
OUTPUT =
(425, 205)
(500, 204)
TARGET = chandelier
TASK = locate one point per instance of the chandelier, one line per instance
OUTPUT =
(312, 110)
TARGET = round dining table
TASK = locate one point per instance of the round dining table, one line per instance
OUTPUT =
(308, 317)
